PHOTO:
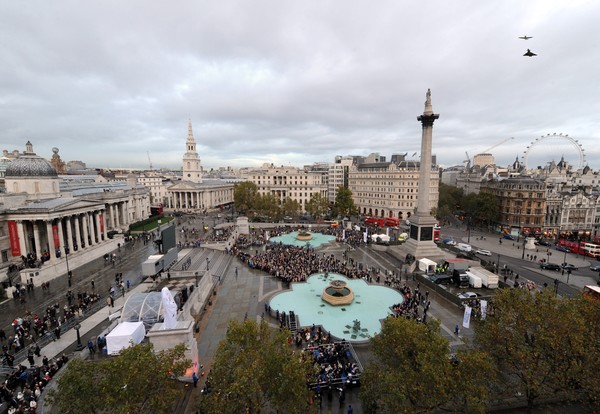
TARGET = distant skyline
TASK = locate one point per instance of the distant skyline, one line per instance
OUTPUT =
(296, 83)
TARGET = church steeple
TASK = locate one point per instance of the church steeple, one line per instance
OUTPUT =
(191, 163)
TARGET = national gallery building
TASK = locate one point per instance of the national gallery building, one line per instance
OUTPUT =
(49, 225)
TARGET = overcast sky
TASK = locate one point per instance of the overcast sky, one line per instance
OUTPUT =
(293, 83)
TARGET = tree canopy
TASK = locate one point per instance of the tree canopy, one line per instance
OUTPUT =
(344, 204)
(412, 371)
(255, 369)
(244, 196)
(137, 381)
(542, 345)
(317, 206)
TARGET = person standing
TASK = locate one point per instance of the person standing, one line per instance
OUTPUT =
(195, 379)
(350, 410)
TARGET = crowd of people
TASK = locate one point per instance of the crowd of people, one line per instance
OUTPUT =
(335, 365)
(23, 386)
(296, 264)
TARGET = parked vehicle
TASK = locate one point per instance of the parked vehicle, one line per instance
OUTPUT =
(550, 266)
(460, 278)
(595, 268)
(464, 247)
(474, 281)
(509, 237)
(488, 279)
(441, 279)
(468, 295)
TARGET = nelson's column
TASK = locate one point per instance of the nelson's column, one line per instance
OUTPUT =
(420, 243)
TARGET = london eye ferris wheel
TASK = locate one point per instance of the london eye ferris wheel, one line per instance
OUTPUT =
(549, 147)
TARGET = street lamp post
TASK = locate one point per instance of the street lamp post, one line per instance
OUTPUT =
(498, 264)
(79, 344)
(523, 253)
(207, 263)
(196, 274)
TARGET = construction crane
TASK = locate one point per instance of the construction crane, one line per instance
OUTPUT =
(149, 161)
(468, 160)
(496, 145)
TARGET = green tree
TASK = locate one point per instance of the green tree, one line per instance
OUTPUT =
(255, 369)
(244, 196)
(538, 344)
(449, 200)
(344, 204)
(290, 207)
(137, 381)
(317, 206)
(268, 205)
(488, 209)
(411, 371)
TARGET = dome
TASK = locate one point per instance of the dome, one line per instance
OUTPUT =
(30, 166)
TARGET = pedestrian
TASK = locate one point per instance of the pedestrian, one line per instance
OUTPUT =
(350, 410)
(93, 285)
(195, 379)
(30, 356)
(456, 330)
(90, 346)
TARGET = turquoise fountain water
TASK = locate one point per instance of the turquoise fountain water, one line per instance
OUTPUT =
(371, 304)
(317, 239)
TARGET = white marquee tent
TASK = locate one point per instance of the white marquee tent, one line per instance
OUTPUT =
(124, 335)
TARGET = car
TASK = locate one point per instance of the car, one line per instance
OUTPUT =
(449, 242)
(509, 237)
(544, 243)
(550, 266)
(568, 266)
(563, 249)
(483, 252)
(595, 268)
(467, 295)
(441, 279)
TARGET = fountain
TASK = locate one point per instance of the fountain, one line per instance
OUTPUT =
(304, 236)
(356, 321)
(337, 293)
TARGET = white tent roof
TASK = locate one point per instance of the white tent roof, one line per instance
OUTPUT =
(124, 335)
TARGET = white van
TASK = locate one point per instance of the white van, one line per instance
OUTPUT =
(464, 247)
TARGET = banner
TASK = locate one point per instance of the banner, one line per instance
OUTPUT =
(483, 308)
(102, 222)
(467, 317)
(15, 247)
(55, 235)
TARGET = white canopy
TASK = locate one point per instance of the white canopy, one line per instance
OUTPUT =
(381, 237)
(427, 265)
(124, 335)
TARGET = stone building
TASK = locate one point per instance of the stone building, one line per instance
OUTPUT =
(522, 202)
(48, 225)
(389, 189)
(193, 193)
(289, 182)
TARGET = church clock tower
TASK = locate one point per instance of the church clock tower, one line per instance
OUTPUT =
(191, 163)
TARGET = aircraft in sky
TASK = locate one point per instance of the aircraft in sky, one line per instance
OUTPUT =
(525, 37)
(529, 53)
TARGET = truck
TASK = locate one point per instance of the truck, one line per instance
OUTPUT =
(488, 279)
(474, 281)
(460, 278)
(157, 263)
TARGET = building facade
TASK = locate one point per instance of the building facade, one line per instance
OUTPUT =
(387, 189)
(193, 193)
(48, 223)
(289, 182)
